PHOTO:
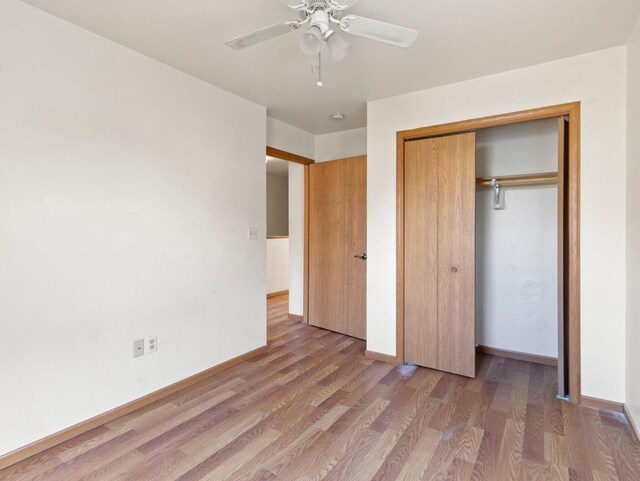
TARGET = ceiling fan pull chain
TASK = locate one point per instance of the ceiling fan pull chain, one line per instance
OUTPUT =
(320, 84)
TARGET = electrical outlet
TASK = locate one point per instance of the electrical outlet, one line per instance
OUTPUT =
(153, 344)
(138, 348)
(252, 234)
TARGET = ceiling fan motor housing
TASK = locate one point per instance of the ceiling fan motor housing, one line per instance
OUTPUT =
(317, 4)
(320, 19)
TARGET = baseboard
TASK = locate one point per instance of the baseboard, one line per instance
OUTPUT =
(632, 422)
(596, 403)
(295, 317)
(520, 356)
(36, 447)
(377, 356)
(277, 293)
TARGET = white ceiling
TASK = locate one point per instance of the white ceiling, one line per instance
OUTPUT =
(459, 40)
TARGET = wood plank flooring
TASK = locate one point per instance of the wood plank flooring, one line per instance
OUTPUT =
(314, 408)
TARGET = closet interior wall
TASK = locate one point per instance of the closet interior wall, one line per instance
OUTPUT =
(517, 248)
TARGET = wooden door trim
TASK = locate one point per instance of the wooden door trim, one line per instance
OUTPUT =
(305, 162)
(570, 110)
(288, 156)
(307, 212)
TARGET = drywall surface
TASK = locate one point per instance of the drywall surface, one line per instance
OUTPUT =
(598, 80)
(296, 239)
(633, 226)
(277, 205)
(126, 193)
(289, 138)
(516, 248)
(339, 145)
(277, 265)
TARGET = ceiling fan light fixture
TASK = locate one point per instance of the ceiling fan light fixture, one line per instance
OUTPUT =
(338, 46)
(320, 16)
(311, 41)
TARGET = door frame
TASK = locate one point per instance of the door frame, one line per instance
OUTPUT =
(572, 220)
(305, 162)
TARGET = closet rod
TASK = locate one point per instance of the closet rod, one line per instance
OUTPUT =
(545, 178)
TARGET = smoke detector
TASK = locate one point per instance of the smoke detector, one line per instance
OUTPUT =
(337, 117)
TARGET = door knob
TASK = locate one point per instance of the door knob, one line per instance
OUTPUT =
(362, 256)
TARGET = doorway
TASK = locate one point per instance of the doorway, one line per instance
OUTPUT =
(287, 180)
(326, 240)
(277, 227)
(567, 120)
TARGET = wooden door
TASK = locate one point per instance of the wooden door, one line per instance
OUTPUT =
(337, 233)
(439, 275)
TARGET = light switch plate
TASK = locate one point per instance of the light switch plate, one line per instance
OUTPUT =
(252, 234)
(138, 348)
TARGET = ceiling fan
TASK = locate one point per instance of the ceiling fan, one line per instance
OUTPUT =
(321, 16)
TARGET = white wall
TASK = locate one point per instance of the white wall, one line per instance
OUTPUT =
(277, 205)
(598, 80)
(120, 217)
(289, 138)
(277, 265)
(633, 227)
(516, 248)
(296, 239)
(339, 145)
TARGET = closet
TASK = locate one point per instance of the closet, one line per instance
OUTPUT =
(484, 246)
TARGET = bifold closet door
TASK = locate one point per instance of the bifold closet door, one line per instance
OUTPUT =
(439, 253)
(337, 234)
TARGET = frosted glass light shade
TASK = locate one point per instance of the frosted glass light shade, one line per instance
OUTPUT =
(338, 47)
(311, 41)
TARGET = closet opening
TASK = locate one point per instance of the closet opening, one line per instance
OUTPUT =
(519, 219)
(488, 243)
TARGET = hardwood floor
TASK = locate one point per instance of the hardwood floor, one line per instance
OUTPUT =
(314, 408)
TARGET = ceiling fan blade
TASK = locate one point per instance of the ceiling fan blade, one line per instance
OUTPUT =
(262, 35)
(291, 3)
(380, 31)
(298, 4)
(344, 4)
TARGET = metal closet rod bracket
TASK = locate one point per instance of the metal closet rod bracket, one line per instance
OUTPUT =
(498, 184)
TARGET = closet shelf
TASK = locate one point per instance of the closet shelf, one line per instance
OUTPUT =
(545, 178)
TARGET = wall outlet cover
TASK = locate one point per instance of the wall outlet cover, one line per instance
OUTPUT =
(138, 348)
(153, 344)
(252, 234)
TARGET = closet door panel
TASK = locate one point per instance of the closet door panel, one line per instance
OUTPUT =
(421, 251)
(456, 254)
